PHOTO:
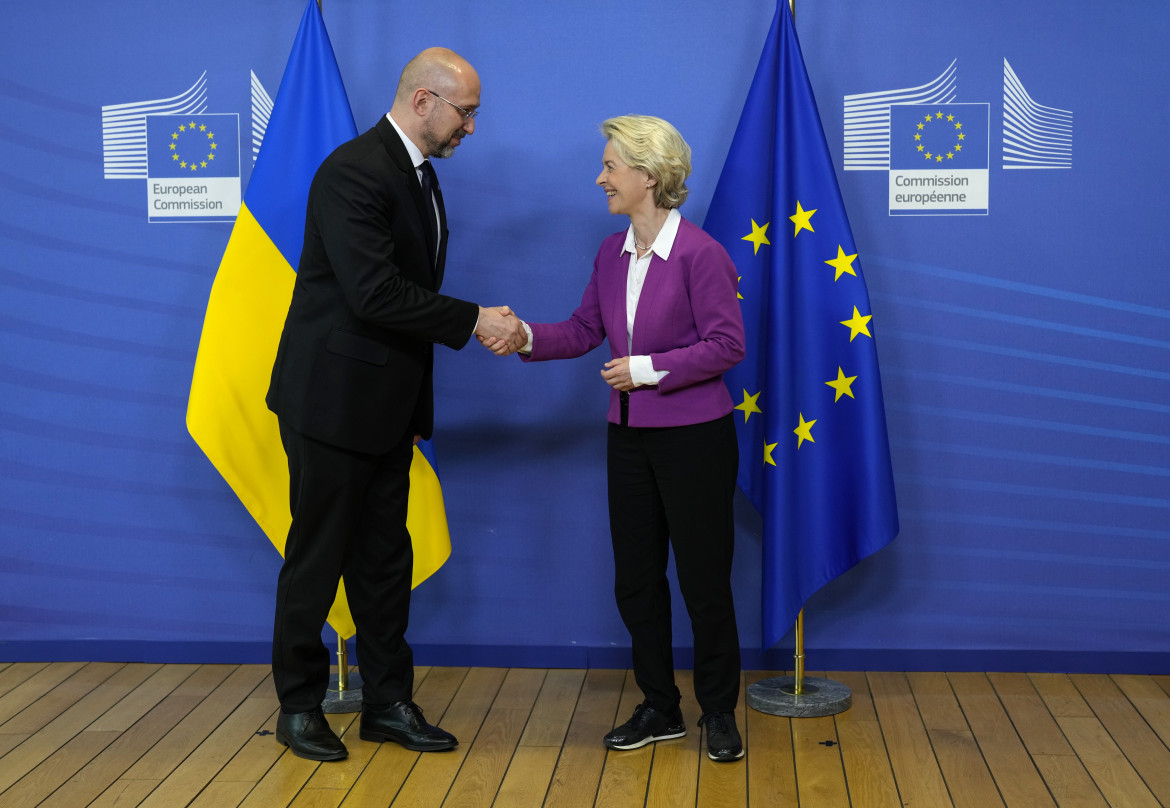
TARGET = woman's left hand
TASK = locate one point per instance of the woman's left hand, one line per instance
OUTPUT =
(617, 374)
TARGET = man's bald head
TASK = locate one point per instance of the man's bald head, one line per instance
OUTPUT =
(435, 92)
(439, 69)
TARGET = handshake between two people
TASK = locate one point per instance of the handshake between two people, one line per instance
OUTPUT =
(503, 333)
(500, 330)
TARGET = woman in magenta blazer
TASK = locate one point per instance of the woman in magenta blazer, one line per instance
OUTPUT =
(663, 293)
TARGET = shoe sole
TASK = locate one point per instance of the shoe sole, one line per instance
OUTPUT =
(307, 756)
(644, 741)
(382, 737)
(725, 758)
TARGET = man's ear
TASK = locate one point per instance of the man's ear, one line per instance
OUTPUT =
(420, 102)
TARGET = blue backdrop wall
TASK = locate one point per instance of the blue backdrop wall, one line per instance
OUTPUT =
(1024, 350)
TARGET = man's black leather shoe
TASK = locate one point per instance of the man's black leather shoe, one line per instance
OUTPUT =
(646, 726)
(309, 735)
(403, 722)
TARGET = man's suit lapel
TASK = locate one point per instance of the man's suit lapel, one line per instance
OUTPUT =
(401, 158)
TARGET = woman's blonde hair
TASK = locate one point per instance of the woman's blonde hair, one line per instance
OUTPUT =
(652, 145)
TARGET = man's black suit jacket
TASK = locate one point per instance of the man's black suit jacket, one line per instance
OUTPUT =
(354, 365)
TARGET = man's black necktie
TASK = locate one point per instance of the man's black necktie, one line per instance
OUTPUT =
(430, 184)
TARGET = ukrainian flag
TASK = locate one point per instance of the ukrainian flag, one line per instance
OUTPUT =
(226, 413)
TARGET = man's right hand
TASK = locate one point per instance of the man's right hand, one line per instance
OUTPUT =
(500, 330)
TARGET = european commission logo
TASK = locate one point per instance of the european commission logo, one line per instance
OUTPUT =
(189, 158)
(937, 152)
(193, 167)
(938, 159)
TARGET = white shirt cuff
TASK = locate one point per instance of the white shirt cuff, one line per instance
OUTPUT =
(642, 371)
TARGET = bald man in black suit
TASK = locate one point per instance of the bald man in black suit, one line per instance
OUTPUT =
(352, 388)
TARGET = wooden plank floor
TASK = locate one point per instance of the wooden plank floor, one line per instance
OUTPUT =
(167, 736)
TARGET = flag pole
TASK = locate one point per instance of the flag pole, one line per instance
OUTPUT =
(342, 664)
(345, 687)
(798, 685)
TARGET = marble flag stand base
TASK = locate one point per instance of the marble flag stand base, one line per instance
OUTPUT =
(347, 699)
(818, 697)
(799, 696)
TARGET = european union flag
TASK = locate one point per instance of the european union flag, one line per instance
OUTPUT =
(814, 456)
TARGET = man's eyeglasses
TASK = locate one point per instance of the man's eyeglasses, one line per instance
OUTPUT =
(468, 114)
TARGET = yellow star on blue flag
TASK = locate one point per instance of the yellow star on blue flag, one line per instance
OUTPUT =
(832, 503)
(802, 219)
(842, 264)
(749, 405)
(758, 236)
